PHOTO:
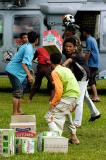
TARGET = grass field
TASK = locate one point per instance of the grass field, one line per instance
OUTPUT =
(92, 135)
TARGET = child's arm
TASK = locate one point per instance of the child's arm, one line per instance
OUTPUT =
(58, 89)
(67, 62)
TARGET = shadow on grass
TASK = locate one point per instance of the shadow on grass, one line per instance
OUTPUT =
(45, 91)
(100, 91)
(6, 90)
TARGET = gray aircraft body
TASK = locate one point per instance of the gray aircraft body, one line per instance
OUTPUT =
(17, 16)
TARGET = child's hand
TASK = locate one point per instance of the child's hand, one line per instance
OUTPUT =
(30, 79)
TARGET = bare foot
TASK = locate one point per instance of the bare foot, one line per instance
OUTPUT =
(74, 140)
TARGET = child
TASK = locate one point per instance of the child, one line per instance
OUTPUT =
(44, 69)
(77, 64)
(19, 67)
(65, 98)
(93, 61)
(23, 39)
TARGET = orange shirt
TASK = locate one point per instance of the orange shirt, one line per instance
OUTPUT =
(58, 89)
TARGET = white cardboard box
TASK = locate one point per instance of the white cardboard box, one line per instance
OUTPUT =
(56, 144)
(52, 41)
(24, 123)
(52, 144)
(23, 118)
(23, 127)
(7, 137)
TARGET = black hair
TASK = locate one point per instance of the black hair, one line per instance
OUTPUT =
(23, 34)
(71, 40)
(87, 30)
(32, 36)
(56, 58)
(70, 29)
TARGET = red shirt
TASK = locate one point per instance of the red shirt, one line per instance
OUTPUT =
(42, 56)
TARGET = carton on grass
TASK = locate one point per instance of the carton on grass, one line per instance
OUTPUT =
(7, 137)
(52, 142)
(24, 125)
(25, 145)
(52, 41)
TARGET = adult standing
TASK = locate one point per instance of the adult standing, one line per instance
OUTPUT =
(93, 61)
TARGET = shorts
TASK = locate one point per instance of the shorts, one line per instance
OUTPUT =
(16, 86)
(93, 74)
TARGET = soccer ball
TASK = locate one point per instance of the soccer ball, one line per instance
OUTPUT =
(68, 19)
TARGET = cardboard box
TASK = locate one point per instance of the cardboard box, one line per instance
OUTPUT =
(7, 142)
(56, 144)
(52, 41)
(26, 134)
(24, 125)
(25, 145)
(23, 118)
(52, 143)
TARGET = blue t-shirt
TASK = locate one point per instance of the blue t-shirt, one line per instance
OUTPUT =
(24, 55)
(94, 59)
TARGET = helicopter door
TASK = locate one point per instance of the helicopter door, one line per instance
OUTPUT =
(103, 32)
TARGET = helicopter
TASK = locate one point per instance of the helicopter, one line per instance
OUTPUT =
(17, 16)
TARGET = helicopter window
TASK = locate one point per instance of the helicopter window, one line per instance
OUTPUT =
(1, 31)
(25, 23)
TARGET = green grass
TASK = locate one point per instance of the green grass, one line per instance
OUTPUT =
(92, 135)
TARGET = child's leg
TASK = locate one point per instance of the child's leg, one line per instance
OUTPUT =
(55, 120)
(19, 109)
(94, 111)
(54, 127)
(79, 108)
(73, 137)
(15, 105)
(71, 125)
(50, 86)
(38, 80)
(17, 93)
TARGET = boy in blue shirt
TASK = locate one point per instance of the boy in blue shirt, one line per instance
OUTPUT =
(93, 61)
(19, 67)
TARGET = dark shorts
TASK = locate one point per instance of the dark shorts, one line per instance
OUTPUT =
(93, 74)
(16, 86)
(43, 71)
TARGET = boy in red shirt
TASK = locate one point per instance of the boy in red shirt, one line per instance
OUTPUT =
(44, 69)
